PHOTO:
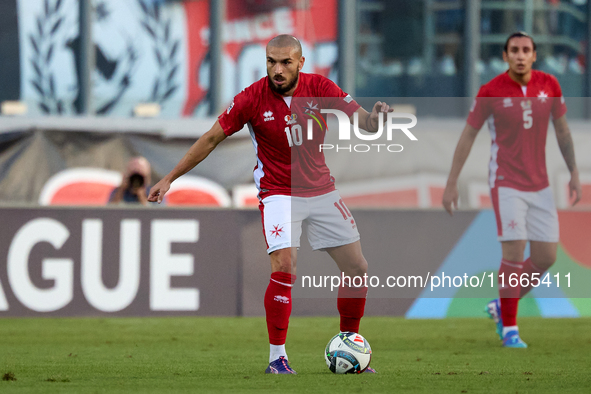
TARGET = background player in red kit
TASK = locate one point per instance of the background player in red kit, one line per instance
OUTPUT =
(294, 183)
(518, 105)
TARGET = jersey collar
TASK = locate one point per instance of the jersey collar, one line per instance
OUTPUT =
(534, 75)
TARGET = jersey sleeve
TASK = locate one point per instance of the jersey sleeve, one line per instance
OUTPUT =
(480, 110)
(336, 98)
(238, 113)
(558, 104)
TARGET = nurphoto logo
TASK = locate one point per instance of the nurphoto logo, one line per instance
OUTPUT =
(390, 127)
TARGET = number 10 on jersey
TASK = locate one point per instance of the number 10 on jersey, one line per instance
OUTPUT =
(294, 135)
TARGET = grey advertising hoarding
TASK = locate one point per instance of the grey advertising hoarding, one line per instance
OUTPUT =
(162, 262)
(158, 262)
(121, 262)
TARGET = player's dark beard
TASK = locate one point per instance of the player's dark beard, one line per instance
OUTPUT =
(284, 88)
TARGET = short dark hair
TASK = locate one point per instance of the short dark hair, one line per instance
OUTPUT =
(518, 34)
(286, 40)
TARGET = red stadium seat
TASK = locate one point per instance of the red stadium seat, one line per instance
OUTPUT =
(80, 186)
(245, 196)
(197, 191)
(416, 191)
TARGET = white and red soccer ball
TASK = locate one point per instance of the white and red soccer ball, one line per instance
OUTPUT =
(347, 352)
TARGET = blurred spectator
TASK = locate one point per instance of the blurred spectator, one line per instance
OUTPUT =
(135, 183)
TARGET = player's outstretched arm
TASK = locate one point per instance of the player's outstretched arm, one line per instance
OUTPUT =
(450, 196)
(195, 155)
(369, 120)
(565, 142)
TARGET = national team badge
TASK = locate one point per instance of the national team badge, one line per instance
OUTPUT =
(543, 96)
(526, 104)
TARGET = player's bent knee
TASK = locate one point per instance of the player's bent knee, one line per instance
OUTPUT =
(359, 268)
(283, 260)
(283, 268)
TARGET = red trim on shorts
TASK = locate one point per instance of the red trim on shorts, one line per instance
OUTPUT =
(494, 196)
(262, 209)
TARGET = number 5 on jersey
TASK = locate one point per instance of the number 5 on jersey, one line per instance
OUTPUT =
(528, 120)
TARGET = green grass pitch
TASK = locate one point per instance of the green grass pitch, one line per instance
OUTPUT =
(172, 355)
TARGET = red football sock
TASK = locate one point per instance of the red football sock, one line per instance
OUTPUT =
(278, 306)
(530, 268)
(351, 305)
(509, 294)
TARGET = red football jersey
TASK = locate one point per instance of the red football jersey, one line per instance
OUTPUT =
(288, 163)
(518, 124)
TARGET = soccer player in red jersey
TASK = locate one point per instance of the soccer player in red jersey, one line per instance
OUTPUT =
(294, 182)
(518, 105)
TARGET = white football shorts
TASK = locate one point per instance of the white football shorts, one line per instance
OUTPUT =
(523, 215)
(329, 221)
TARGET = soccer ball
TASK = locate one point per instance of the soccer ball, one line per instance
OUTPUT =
(347, 352)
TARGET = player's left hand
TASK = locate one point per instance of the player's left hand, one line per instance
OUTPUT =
(374, 117)
(574, 187)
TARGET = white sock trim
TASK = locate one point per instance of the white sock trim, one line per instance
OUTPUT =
(276, 351)
(281, 283)
(511, 264)
(509, 328)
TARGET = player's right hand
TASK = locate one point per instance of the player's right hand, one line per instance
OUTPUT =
(575, 189)
(158, 191)
(450, 198)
